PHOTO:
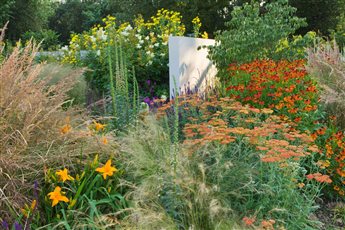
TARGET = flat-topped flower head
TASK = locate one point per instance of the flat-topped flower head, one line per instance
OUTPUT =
(56, 196)
(106, 170)
(63, 174)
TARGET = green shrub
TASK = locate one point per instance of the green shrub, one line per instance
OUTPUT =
(145, 45)
(49, 39)
(255, 32)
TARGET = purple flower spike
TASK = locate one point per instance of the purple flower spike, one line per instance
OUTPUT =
(147, 100)
(5, 225)
(18, 226)
(148, 82)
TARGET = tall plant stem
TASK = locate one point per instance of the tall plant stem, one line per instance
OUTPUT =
(112, 88)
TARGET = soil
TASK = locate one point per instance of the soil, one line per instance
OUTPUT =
(332, 215)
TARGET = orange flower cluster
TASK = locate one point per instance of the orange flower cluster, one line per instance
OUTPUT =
(319, 177)
(283, 86)
(258, 126)
(332, 156)
(286, 88)
(277, 138)
(248, 221)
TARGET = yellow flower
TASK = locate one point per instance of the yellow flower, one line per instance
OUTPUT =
(267, 111)
(204, 35)
(64, 175)
(56, 196)
(33, 205)
(106, 170)
(104, 140)
(65, 129)
(99, 126)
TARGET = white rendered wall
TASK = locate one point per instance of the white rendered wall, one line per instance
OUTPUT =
(188, 65)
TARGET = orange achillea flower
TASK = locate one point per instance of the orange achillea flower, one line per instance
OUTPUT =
(313, 148)
(300, 185)
(323, 164)
(106, 170)
(63, 174)
(268, 224)
(266, 111)
(248, 221)
(56, 196)
(319, 177)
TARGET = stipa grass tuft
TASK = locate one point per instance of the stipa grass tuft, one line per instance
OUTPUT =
(326, 63)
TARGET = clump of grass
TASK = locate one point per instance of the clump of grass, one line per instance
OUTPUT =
(169, 188)
(326, 63)
(57, 73)
(37, 130)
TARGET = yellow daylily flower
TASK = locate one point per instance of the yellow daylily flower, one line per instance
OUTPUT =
(56, 196)
(106, 170)
(63, 174)
(99, 126)
(104, 140)
(65, 129)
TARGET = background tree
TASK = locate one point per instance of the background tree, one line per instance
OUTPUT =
(75, 16)
(213, 13)
(5, 11)
(28, 15)
(322, 15)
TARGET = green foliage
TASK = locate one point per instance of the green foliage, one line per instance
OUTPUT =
(214, 185)
(125, 107)
(88, 193)
(145, 45)
(5, 11)
(49, 39)
(321, 16)
(76, 16)
(28, 15)
(254, 35)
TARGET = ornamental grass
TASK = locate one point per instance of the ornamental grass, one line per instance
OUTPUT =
(38, 130)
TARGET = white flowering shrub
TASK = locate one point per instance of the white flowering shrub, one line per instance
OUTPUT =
(144, 45)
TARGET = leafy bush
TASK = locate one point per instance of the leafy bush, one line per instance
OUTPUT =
(145, 45)
(256, 33)
(49, 39)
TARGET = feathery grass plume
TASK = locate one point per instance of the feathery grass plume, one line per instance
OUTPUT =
(2, 36)
(37, 130)
(164, 194)
(326, 63)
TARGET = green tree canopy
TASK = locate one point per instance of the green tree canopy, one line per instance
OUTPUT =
(28, 15)
(322, 15)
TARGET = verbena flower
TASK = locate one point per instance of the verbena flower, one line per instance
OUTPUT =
(106, 170)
